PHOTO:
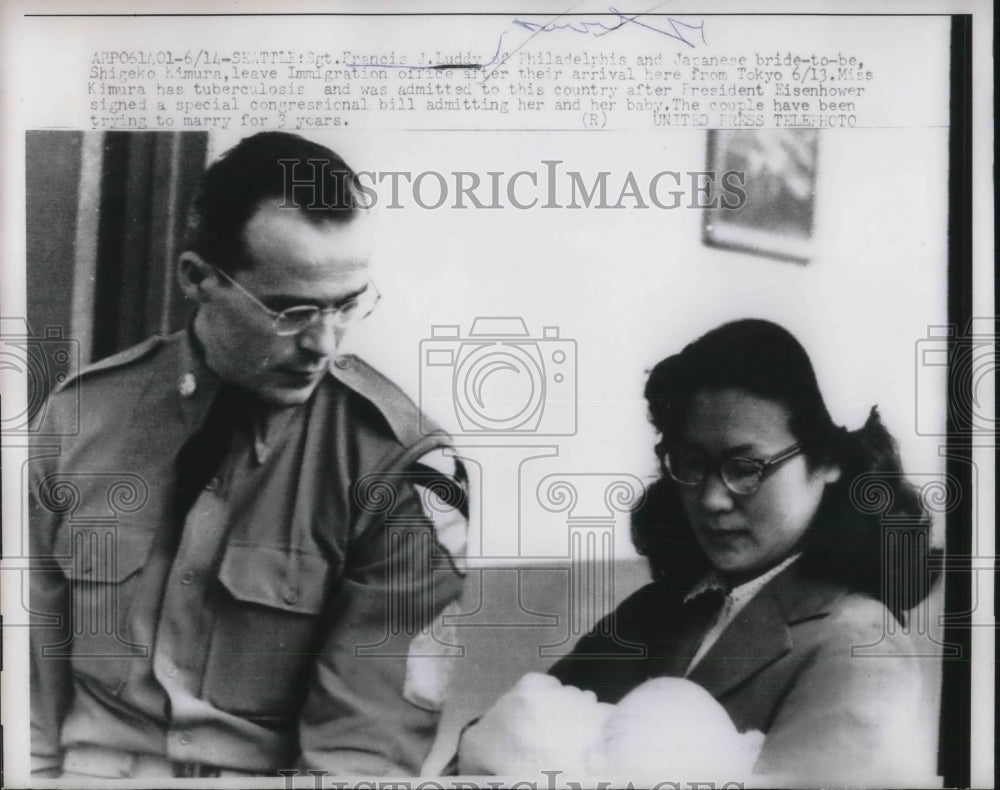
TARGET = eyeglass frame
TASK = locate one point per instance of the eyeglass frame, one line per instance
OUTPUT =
(763, 466)
(276, 315)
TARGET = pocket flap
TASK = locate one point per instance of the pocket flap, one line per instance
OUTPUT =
(275, 577)
(103, 554)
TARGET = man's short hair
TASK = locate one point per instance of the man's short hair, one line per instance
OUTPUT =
(302, 175)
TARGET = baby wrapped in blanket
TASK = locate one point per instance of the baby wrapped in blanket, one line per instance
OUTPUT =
(667, 729)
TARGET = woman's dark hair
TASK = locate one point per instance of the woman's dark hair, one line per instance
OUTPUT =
(871, 531)
(306, 176)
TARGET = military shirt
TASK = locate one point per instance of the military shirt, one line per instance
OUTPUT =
(294, 617)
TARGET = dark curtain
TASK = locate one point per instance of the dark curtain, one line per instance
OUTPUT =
(128, 290)
(147, 181)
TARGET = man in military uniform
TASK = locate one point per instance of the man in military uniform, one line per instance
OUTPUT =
(244, 557)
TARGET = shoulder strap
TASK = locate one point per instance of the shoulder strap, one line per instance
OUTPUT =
(121, 359)
(407, 422)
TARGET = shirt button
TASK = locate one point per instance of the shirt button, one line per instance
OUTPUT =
(185, 738)
(341, 362)
(171, 671)
(187, 577)
(212, 484)
(291, 595)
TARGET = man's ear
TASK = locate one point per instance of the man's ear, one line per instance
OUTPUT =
(192, 273)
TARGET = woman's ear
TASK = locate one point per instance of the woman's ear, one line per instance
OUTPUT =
(829, 474)
(192, 272)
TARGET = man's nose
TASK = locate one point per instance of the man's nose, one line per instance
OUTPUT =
(321, 337)
(713, 495)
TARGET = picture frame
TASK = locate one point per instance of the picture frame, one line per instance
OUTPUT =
(778, 168)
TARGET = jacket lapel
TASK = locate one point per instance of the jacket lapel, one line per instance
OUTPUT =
(760, 633)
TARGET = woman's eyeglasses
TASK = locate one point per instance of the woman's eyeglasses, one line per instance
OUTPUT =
(740, 475)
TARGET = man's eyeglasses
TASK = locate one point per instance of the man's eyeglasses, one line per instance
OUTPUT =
(294, 320)
(740, 475)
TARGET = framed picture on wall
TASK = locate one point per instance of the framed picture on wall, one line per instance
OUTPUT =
(779, 170)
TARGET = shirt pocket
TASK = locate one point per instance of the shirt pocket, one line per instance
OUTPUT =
(103, 567)
(271, 621)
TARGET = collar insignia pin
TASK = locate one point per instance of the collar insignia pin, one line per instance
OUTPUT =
(187, 385)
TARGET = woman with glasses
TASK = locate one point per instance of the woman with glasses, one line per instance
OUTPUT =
(784, 551)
